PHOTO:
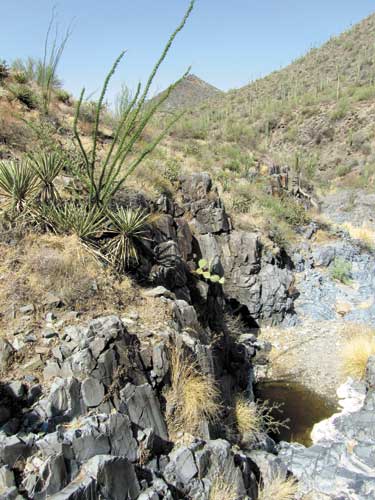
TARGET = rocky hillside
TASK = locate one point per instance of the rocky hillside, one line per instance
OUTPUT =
(146, 293)
(314, 115)
(190, 92)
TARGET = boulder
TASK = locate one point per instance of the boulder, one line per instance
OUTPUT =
(143, 408)
(6, 352)
(100, 435)
(92, 392)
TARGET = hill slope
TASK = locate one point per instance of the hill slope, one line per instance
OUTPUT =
(319, 108)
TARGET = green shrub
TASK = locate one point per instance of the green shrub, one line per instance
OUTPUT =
(127, 228)
(172, 170)
(343, 170)
(17, 184)
(341, 110)
(24, 94)
(341, 270)
(62, 96)
(20, 77)
(364, 93)
(47, 166)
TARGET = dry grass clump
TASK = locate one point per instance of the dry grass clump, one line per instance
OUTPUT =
(39, 265)
(278, 488)
(221, 489)
(358, 347)
(252, 419)
(60, 266)
(364, 233)
(192, 398)
(248, 419)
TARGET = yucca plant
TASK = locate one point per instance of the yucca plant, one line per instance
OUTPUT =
(17, 184)
(24, 94)
(47, 166)
(73, 219)
(127, 228)
(104, 178)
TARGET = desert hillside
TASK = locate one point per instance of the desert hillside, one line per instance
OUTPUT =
(187, 282)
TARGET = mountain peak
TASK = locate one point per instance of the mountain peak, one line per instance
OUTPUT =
(191, 91)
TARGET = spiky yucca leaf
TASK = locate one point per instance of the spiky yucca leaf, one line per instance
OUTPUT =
(17, 184)
(47, 167)
(74, 219)
(127, 227)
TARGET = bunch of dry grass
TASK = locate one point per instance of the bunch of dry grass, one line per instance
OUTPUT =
(221, 489)
(61, 266)
(359, 346)
(192, 398)
(254, 419)
(48, 264)
(248, 419)
(364, 234)
(278, 488)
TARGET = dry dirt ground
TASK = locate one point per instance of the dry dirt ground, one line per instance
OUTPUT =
(309, 354)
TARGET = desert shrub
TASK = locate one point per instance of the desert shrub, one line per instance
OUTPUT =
(364, 93)
(253, 419)
(192, 128)
(47, 166)
(192, 398)
(24, 94)
(341, 110)
(286, 209)
(365, 234)
(127, 228)
(358, 347)
(248, 419)
(106, 176)
(343, 170)
(20, 77)
(63, 96)
(359, 139)
(278, 487)
(222, 489)
(341, 270)
(17, 184)
(88, 111)
(172, 169)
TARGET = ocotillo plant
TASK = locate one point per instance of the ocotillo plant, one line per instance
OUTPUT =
(103, 179)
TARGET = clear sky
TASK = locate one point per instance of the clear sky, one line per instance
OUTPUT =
(227, 42)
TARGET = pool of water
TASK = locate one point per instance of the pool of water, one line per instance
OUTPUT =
(300, 405)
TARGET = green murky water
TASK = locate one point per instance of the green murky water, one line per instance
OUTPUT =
(301, 406)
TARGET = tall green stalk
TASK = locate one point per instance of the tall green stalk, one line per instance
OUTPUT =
(107, 177)
(47, 71)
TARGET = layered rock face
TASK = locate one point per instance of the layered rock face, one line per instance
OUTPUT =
(96, 427)
(199, 227)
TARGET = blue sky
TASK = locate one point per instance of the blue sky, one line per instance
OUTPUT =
(227, 42)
